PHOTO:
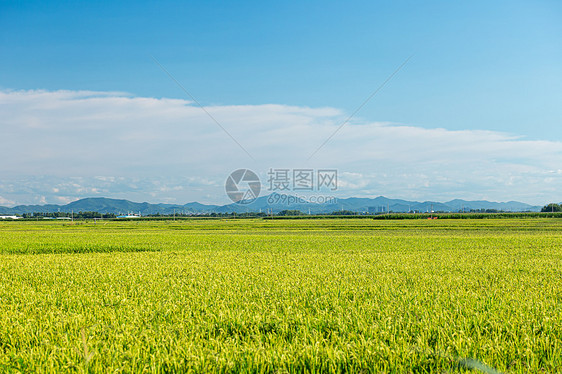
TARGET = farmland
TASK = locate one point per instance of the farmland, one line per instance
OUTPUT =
(353, 295)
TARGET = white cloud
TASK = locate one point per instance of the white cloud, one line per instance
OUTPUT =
(6, 202)
(68, 144)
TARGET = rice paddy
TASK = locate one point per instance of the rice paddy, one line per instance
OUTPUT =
(342, 295)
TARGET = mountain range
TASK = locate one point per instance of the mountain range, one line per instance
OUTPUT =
(271, 203)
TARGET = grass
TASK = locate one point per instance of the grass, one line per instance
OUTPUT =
(347, 295)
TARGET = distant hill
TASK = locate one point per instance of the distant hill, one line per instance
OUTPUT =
(270, 203)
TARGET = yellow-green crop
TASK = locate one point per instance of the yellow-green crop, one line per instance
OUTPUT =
(345, 295)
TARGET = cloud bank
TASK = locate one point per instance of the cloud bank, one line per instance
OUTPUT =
(59, 146)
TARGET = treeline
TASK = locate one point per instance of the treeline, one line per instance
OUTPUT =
(552, 207)
(550, 210)
(399, 216)
(78, 215)
(214, 215)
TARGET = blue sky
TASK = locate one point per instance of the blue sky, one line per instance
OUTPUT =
(482, 67)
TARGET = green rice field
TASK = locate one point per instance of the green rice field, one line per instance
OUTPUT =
(262, 296)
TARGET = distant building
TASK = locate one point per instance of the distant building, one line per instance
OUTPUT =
(129, 215)
(9, 217)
